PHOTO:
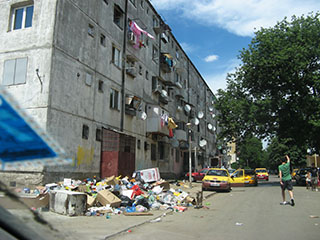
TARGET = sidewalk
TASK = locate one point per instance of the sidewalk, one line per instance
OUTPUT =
(99, 227)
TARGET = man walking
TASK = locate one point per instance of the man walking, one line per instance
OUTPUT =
(285, 180)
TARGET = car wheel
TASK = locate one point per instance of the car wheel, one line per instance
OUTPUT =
(204, 189)
(192, 179)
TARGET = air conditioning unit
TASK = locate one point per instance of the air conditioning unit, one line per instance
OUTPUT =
(131, 38)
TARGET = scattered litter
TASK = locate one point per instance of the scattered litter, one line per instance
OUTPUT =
(156, 220)
(314, 216)
(131, 196)
(316, 224)
(239, 224)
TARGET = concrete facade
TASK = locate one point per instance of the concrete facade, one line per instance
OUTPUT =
(73, 70)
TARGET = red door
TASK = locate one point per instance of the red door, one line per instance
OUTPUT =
(118, 154)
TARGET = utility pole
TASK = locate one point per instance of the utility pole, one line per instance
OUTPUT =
(123, 70)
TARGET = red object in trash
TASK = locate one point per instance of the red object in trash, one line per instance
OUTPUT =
(136, 191)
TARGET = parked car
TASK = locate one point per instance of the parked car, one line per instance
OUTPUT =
(217, 179)
(294, 172)
(300, 177)
(197, 176)
(244, 177)
(262, 174)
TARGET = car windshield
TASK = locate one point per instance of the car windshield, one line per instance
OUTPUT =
(204, 170)
(261, 171)
(216, 172)
(249, 172)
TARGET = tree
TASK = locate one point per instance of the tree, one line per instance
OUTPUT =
(278, 149)
(276, 89)
(251, 153)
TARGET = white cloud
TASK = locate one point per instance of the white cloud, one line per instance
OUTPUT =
(240, 17)
(211, 58)
(218, 80)
(187, 47)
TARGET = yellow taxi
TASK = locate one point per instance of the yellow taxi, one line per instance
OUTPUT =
(262, 174)
(294, 172)
(244, 177)
(216, 179)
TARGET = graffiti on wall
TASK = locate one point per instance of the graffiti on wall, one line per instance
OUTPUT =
(84, 156)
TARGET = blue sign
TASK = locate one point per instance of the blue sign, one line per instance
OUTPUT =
(18, 139)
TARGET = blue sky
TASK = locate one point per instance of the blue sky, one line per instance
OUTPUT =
(213, 32)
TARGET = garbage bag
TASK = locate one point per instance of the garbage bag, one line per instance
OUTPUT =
(125, 201)
(144, 202)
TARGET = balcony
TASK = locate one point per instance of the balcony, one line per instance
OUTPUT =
(132, 104)
(131, 71)
(181, 93)
(181, 135)
(155, 121)
(166, 62)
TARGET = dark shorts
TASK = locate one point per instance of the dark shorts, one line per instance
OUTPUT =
(286, 185)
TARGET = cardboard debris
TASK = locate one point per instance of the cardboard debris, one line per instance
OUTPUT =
(90, 201)
(111, 180)
(105, 197)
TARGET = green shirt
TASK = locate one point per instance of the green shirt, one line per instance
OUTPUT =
(285, 169)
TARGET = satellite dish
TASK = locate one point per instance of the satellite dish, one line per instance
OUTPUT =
(200, 114)
(213, 115)
(196, 121)
(179, 108)
(187, 108)
(210, 109)
(164, 93)
(214, 128)
(202, 143)
(143, 116)
(210, 126)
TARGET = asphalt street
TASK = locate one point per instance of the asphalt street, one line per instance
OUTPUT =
(244, 213)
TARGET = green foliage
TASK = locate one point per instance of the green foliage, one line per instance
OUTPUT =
(251, 153)
(276, 90)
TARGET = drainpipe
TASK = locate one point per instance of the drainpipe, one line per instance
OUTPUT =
(123, 72)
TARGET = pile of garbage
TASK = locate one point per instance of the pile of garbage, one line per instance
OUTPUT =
(137, 195)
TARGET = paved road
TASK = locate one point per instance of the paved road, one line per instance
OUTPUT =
(245, 213)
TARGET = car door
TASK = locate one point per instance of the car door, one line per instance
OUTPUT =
(237, 179)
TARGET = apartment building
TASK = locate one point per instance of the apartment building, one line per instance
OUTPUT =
(110, 83)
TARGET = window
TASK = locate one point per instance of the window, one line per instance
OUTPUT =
(22, 17)
(177, 53)
(153, 152)
(154, 54)
(114, 99)
(140, 69)
(88, 79)
(142, 3)
(85, 131)
(106, 2)
(155, 22)
(116, 56)
(118, 16)
(91, 30)
(147, 75)
(15, 71)
(98, 135)
(100, 86)
(139, 144)
(102, 40)
(161, 150)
